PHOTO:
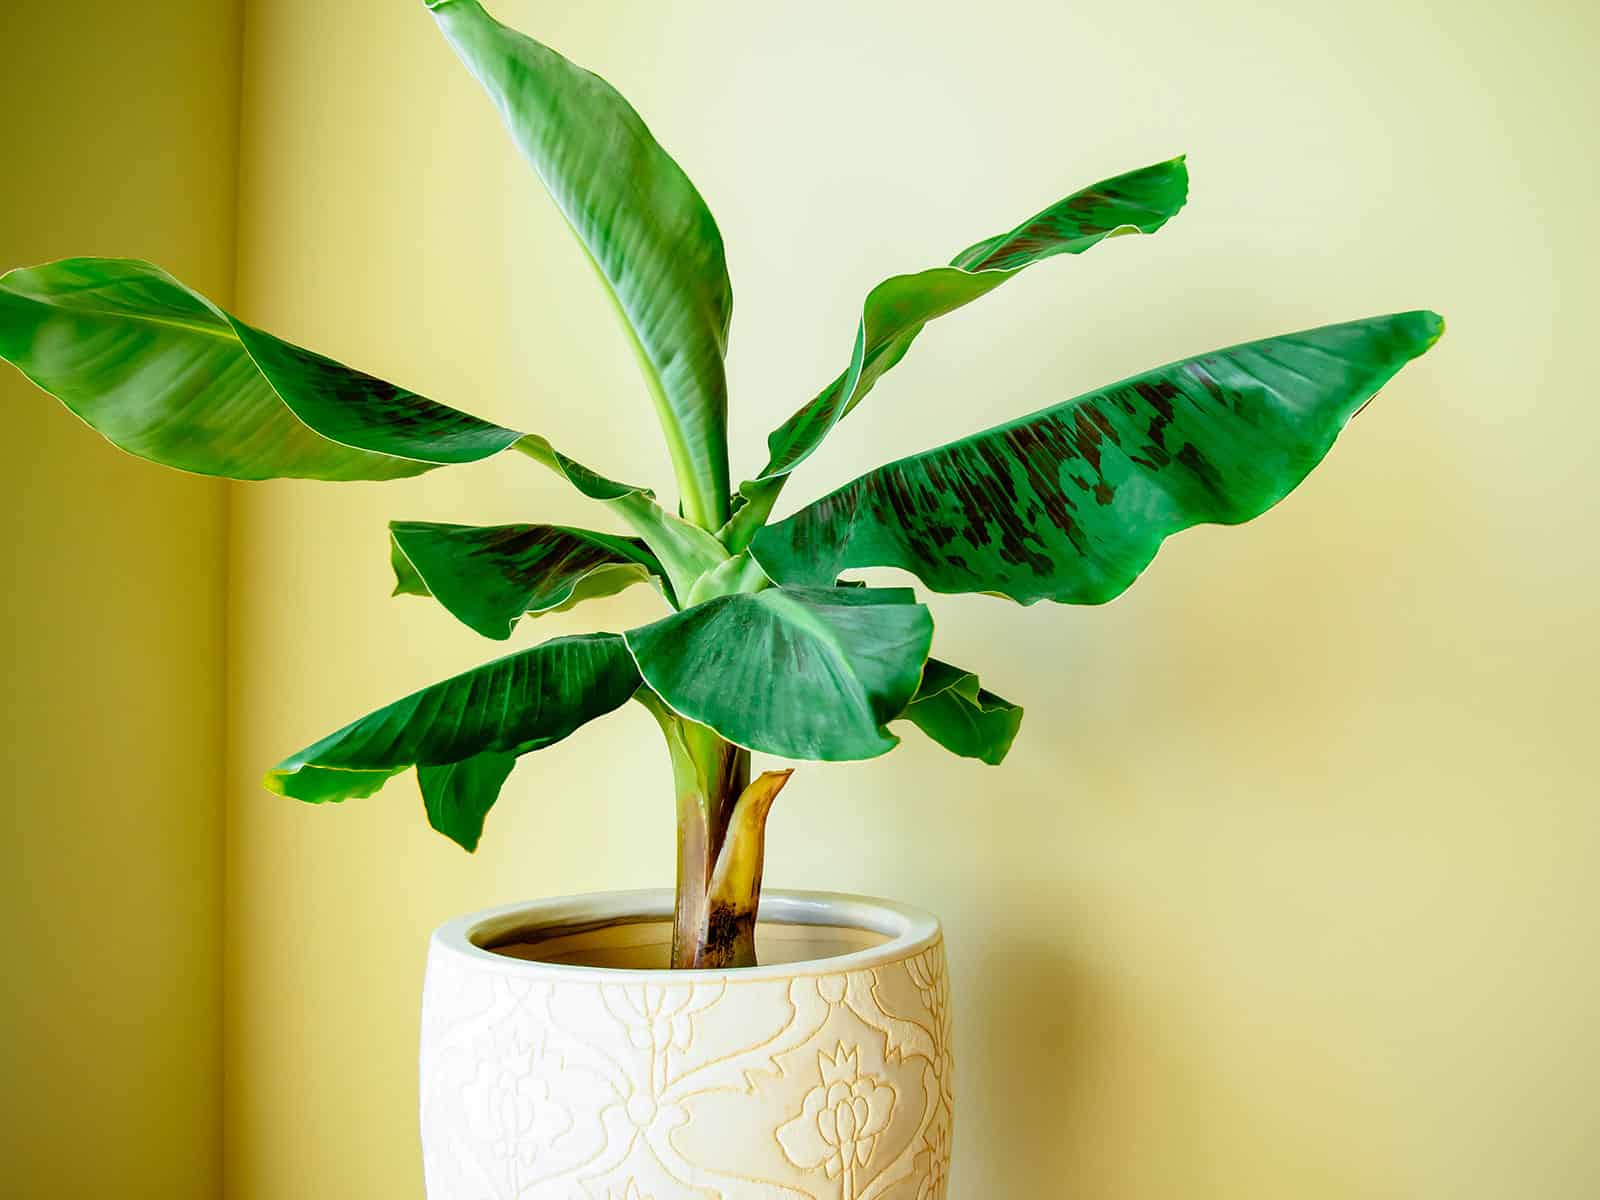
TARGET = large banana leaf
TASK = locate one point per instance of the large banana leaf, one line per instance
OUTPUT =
(952, 709)
(896, 310)
(165, 374)
(487, 577)
(809, 673)
(459, 733)
(1071, 503)
(645, 227)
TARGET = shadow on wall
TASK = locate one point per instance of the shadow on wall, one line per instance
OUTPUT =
(1124, 1086)
(1076, 1067)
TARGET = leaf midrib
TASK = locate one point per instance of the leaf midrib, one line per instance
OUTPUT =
(221, 331)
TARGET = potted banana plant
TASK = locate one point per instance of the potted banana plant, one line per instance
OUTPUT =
(560, 1052)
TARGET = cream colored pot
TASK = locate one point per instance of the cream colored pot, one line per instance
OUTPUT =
(560, 1062)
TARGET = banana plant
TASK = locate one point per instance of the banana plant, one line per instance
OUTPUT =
(766, 645)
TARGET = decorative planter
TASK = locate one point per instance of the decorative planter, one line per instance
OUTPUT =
(560, 1061)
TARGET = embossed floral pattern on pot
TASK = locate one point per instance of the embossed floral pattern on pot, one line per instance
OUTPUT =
(840, 1120)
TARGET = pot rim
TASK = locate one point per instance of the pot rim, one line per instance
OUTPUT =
(909, 931)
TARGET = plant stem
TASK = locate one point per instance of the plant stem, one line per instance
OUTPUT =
(721, 840)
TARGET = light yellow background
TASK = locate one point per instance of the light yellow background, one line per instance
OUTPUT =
(1287, 888)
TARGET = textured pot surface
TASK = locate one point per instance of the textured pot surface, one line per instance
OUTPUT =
(558, 1062)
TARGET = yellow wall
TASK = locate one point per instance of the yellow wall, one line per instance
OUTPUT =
(121, 125)
(1287, 890)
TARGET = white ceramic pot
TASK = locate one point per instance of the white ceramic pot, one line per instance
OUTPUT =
(561, 1062)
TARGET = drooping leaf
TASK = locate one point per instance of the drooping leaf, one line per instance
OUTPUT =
(896, 310)
(511, 706)
(457, 797)
(1072, 502)
(643, 224)
(685, 551)
(487, 577)
(587, 482)
(809, 673)
(165, 374)
(952, 709)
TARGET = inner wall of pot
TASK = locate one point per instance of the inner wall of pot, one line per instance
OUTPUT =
(645, 944)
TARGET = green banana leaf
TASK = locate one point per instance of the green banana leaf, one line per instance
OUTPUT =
(163, 373)
(505, 708)
(487, 577)
(588, 483)
(896, 310)
(685, 551)
(807, 673)
(458, 797)
(962, 717)
(643, 224)
(1072, 502)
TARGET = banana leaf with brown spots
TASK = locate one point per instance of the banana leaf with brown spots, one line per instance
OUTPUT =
(163, 373)
(895, 311)
(490, 576)
(1071, 503)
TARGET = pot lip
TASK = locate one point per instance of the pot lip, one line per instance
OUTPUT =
(910, 931)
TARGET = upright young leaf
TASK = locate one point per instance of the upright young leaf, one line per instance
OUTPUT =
(489, 576)
(508, 707)
(811, 673)
(1071, 503)
(952, 709)
(644, 225)
(896, 310)
(164, 373)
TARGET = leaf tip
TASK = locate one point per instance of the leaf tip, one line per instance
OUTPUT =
(466, 842)
(1420, 328)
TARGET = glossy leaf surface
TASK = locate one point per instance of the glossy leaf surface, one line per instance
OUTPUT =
(643, 224)
(952, 709)
(896, 310)
(519, 703)
(163, 373)
(1071, 503)
(489, 576)
(808, 673)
